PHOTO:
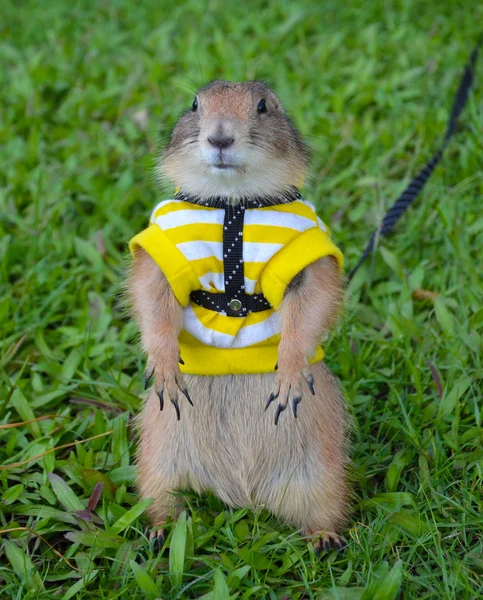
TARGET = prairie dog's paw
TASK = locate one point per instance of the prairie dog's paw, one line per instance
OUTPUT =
(157, 538)
(288, 389)
(167, 382)
(327, 541)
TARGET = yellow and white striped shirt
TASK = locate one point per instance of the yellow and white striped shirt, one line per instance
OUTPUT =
(186, 241)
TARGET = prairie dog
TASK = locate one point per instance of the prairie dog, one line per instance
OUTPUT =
(231, 317)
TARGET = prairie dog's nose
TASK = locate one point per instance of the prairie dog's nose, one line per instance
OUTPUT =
(221, 141)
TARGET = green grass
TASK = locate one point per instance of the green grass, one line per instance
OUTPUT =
(88, 92)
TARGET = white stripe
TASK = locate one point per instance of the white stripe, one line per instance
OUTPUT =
(159, 205)
(217, 279)
(321, 224)
(258, 332)
(250, 285)
(189, 217)
(259, 251)
(198, 249)
(210, 337)
(309, 204)
(248, 335)
(278, 219)
(319, 220)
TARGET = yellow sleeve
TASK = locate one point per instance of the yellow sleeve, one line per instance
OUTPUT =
(169, 259)
(305, 249)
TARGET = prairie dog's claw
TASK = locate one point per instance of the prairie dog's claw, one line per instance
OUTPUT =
(287, 389)
(174, 401)
(271, 399)
(169, 384)
(278, 412)
(147, 377)
(156, 540)
(187, 396)
(328, 541)
(309, 378)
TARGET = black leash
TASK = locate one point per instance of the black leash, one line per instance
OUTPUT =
(417, 184)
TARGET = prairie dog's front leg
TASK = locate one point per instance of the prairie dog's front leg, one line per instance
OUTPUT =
(311, 306)
(160, 320)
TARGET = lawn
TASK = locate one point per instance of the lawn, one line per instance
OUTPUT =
(88, 93)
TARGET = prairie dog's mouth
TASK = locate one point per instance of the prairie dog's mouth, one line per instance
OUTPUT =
(223, 166)
(220, 160)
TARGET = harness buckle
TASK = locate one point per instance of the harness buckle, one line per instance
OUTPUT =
(235, 304)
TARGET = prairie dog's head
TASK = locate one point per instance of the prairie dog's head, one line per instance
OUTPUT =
(236, 141)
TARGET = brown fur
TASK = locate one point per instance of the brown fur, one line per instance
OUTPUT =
(227, 442)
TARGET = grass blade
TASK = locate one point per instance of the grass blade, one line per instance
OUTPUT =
(220, 589)
(143, 580)
(64, 493)
(80, 585)
(391, 583)
(23, 567)
(177, 550)
(130, 516)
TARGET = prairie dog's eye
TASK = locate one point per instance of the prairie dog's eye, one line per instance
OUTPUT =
(262, 107)
(194, 106)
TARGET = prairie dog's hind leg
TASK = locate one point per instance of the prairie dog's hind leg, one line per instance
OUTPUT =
(160, 461)
(303, 478)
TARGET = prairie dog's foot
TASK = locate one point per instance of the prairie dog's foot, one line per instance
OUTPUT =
(327, 541)
(288, 388)
(167, 381)
(157, 538)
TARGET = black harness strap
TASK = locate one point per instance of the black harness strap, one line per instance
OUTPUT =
(235, 302)
(284, 197)
(233, 259)
(221, 303)
(417, 184)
